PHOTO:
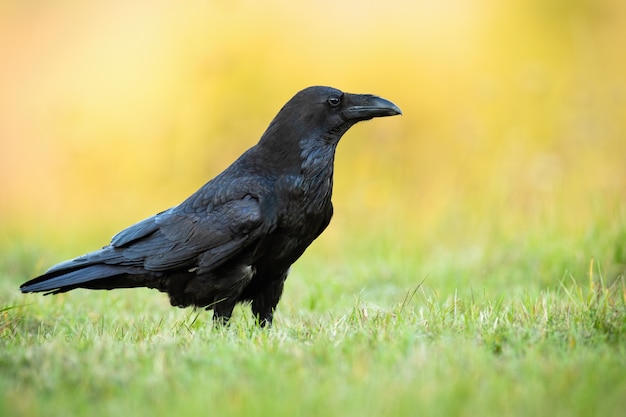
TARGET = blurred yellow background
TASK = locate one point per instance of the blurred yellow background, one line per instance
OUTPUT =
(514, 111)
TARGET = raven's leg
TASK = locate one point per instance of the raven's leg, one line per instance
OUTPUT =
(264, 303)
(225, 289)
(222, 312)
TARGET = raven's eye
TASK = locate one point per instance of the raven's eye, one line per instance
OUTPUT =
(334, 101)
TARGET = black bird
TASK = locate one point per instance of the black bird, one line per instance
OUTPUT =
(235, 238)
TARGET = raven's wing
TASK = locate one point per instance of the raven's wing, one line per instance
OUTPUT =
(190, 235)
(186, 237)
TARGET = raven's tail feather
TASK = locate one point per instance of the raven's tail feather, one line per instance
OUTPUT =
(95, 276)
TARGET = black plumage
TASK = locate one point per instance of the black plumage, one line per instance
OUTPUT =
(235, 238)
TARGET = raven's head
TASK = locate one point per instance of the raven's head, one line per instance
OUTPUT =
(314, 120)
(332, 112)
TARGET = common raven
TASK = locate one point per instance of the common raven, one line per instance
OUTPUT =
(235, 238)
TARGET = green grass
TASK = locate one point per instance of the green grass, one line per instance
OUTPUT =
(504, 327)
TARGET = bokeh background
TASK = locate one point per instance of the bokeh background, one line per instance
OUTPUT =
(513, 133)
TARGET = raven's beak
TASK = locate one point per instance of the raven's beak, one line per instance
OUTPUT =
(367, 106)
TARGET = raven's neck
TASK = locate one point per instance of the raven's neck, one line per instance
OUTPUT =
(317, 162)
(316, 174)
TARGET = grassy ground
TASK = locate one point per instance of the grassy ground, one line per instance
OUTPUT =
(519, 327)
